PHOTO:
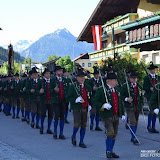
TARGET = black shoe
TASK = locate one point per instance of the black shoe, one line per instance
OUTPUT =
(32, 125)
(98, 129)
(66, 121)
(154, 131)
(149, 129)
(114, 155)
(91, 127)
(49, 132)
(126, 126)
(13, 117)
(134, 141)
(37, 127)
(82, 145)
(24, 119)
(55, 135)
(28, 121)
(74, 141)
(108, 154)
(62, 137)
(17, 117)
(41, 130)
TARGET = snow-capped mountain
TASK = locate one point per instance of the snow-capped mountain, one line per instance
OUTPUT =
(60, 42)
(20, 45)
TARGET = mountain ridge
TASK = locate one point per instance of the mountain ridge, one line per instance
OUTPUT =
(61, 42)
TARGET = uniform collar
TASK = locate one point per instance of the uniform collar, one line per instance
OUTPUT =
(35, 80)
(112, 89)
(153, 75)
(47, 80)
(59, 78)
(97, 80)
(82, 85)
(134, 84)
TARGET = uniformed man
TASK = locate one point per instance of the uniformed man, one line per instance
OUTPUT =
(80, 97)
(133, 102)
(110, 111)
(59, 100)
(155, 100)
(22, 96)
(66, 76)
(7, 93)
(34, 97)
(15, 96)
(26, 91)
(95, 83)
(148, 86)
(44, 88)
(4, 94)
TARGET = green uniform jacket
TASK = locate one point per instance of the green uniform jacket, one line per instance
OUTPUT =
(31, 84)
(73, 95)
(26, 92)
(7, 92)
(147, 85)
(93, 83)
(1, 88)
(4, 93)
(16, 89)
(124, 94)
(22, 85)
(155, 99)
(55, 95)
(99, 100)
(43, 84)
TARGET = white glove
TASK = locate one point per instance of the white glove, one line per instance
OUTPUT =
(156, 111)
(129, 99)
(107, 106)
(79, 100)
(123, 118)
(89, 107)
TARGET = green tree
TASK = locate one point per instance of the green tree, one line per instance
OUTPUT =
(4, 69)
(53, 57)
(66, 62)
(125, 62)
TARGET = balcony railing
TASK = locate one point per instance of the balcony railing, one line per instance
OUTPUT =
(109, 52)
(119, 21)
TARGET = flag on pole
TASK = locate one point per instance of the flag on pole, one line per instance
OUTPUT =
(97, 32)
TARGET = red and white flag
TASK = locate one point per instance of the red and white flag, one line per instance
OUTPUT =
(97, 33)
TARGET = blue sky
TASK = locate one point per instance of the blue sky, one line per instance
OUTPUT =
(31, 19)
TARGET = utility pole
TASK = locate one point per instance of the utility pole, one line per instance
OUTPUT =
(73, 59)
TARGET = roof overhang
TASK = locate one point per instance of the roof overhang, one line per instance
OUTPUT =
(105, 11)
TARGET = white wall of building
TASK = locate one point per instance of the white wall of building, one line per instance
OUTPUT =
(148, 56)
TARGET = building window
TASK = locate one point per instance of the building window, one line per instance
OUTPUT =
(83, 64)
(89, 64)
(155, 58)
(146, 58)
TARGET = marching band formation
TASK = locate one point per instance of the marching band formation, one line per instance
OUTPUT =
(39, 98)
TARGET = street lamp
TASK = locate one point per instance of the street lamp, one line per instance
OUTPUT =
(105, 36)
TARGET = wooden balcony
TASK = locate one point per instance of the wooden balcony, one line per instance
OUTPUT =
(109, 52)
(118, 22)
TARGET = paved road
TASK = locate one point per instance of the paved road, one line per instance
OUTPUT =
(18, 141)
